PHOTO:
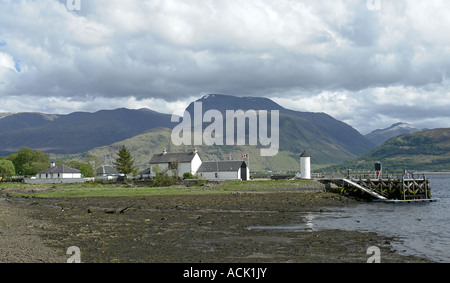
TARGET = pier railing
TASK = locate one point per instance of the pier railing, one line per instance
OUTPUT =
(367, 175)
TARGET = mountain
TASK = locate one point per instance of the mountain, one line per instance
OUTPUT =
(75, 132)
(326, 139)
(20, 121)
(379, 136)
(424, 150)
(153, 141)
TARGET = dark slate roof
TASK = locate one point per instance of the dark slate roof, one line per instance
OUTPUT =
(107, 169)
(59, 169)
(169, 157)
(304, 154)
(146, 171)
(221, 166)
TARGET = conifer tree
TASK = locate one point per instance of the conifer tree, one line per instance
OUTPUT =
(124, 162)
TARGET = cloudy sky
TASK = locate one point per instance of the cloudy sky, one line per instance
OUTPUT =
(367, 63)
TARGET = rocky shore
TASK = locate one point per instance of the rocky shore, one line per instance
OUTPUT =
(217, 228)
(21, 236)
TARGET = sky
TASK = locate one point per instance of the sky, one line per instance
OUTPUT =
(367, 63)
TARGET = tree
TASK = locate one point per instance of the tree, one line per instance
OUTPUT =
(161, 178)
(124, 162)
(6, 169)
(29, 162)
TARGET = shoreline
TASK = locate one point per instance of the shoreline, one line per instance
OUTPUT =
(183, 229)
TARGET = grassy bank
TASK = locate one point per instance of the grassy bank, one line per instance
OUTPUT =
(133, 190)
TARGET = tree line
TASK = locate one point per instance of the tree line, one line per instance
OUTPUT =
(25, 162)
(28, 162)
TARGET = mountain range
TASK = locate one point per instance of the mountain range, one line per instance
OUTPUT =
(379, 136)
(326, 139)
(427, 150)
(76, 132)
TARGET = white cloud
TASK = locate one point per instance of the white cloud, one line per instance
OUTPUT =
(63, 105)
(326, 56)
(7, 64)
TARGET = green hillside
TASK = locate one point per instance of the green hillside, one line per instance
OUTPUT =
(143, 147)
(426, 150)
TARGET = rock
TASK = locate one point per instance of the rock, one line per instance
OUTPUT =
(123, 210)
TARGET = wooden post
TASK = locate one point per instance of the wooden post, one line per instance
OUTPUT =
(403, 187)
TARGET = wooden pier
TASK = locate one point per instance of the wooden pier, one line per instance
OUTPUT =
(388, 188)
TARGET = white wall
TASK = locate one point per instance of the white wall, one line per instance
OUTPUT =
(163, 167)
(196, 163)
(220, 175)
(182, 168)
(71, 175)
(185, 167)
(305, 167)
(59, 176)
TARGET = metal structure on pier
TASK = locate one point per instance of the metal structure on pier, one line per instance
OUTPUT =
(401, 188)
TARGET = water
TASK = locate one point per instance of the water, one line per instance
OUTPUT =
(423, 228)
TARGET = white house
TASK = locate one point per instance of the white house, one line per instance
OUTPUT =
(59, 172)
(224, 170)
(107, 172)
(176, 162)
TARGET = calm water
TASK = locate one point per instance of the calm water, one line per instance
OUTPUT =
(423, 228)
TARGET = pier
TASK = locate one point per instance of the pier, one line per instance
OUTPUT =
(401, 188)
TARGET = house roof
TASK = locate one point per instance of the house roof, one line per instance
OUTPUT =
(146, 171)
(107, 169)
(59, 169)
(222, 166)
(182, 157)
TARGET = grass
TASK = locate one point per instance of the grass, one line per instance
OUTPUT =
(122, 190)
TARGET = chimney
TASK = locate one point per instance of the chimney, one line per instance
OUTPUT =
(195, 149)
(52, 164)
(164, 151)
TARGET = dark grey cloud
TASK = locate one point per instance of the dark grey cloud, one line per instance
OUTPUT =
(121, 52)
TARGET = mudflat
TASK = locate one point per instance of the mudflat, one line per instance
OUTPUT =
(216, 228)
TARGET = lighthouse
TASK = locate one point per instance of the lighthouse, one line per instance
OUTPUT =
(305, 166)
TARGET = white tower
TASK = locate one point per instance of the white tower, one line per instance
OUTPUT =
(305, 166)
